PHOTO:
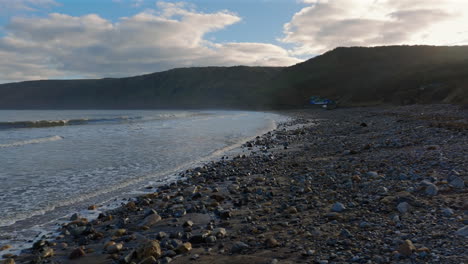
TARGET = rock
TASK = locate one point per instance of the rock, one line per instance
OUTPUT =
(457, 182)
(77, 253)
(114, 248)
(220, 232)
(225, 215)
(149, 249)
(108, 244)
(5, 247)
(120, 232)
(239, 247)
(271, 242)
(75, 217)
(8, 261)
(431, 189)
(165, 260)
(47, 253)
(92, 207)
(372, 174)
(151, 220)
(462, 231)
(292, 210)
(194, 257)
(447, 212)
(210, 240)
(188, 224)
(406, 248)
(184, 248)
(403, 207)
(148, 260)
(345, 233)
(338, 207)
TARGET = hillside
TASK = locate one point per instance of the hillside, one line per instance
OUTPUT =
(368, 76)
(207, 87)
(353, 76)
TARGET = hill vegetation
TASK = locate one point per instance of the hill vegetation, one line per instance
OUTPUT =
(352, 76)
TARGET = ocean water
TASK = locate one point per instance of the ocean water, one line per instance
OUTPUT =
(54, 163)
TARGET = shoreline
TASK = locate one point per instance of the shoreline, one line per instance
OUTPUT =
(361, 184)
(48, 229)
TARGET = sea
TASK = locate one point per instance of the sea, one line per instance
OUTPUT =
(55, 163)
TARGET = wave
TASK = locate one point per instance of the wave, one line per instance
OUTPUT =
(31, 141)
(86, 121)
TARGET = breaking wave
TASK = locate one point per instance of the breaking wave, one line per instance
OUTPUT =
(31, 141)
(86, 121)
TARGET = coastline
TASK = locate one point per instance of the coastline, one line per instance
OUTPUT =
(350, 185)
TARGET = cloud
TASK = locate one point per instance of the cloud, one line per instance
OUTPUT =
(326, 24)
(60, 45)
(25, 5)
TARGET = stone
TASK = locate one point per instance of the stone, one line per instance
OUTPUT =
(239, 247)
(210, 239)
(338, 207)
(372, 174)
(462, 231)
(447, 211)
(271, 243)
(151, 220)
(148, 260)
(114, 248)
(403, 207)
(92, 207)
(188, 224)
(165, 260)
(431, 189)
(5, 247)
(184, 248)
(149, 249)
(8, 261)
(47, 253)
(120, 232)
(345, 233)
(220, 232)
(77, 253)
(457, 182)
(406, 248)
(75, 217)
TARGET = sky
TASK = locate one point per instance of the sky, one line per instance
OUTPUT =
(64, 39)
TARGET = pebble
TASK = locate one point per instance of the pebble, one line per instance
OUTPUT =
(112, 249)
(149, 249)
(338, 207)
(239, 247)
(431, 190)
(403, 207)
(8, 261)
(463, 231)
(77, 253)
(271, 242)
(406, 248)
(457, 182)
(447, 211)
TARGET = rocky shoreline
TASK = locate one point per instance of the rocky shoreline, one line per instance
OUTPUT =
(360, 185)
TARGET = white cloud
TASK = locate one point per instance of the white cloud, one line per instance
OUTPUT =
(326, 24)
(60, 45)
(26, 5)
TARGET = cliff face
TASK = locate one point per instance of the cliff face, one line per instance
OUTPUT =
(353, 76)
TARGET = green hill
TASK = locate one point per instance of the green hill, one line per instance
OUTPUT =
(353, 76)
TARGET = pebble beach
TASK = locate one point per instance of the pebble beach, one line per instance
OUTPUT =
(351, 185)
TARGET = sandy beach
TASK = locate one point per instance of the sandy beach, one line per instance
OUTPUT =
(352, 185)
